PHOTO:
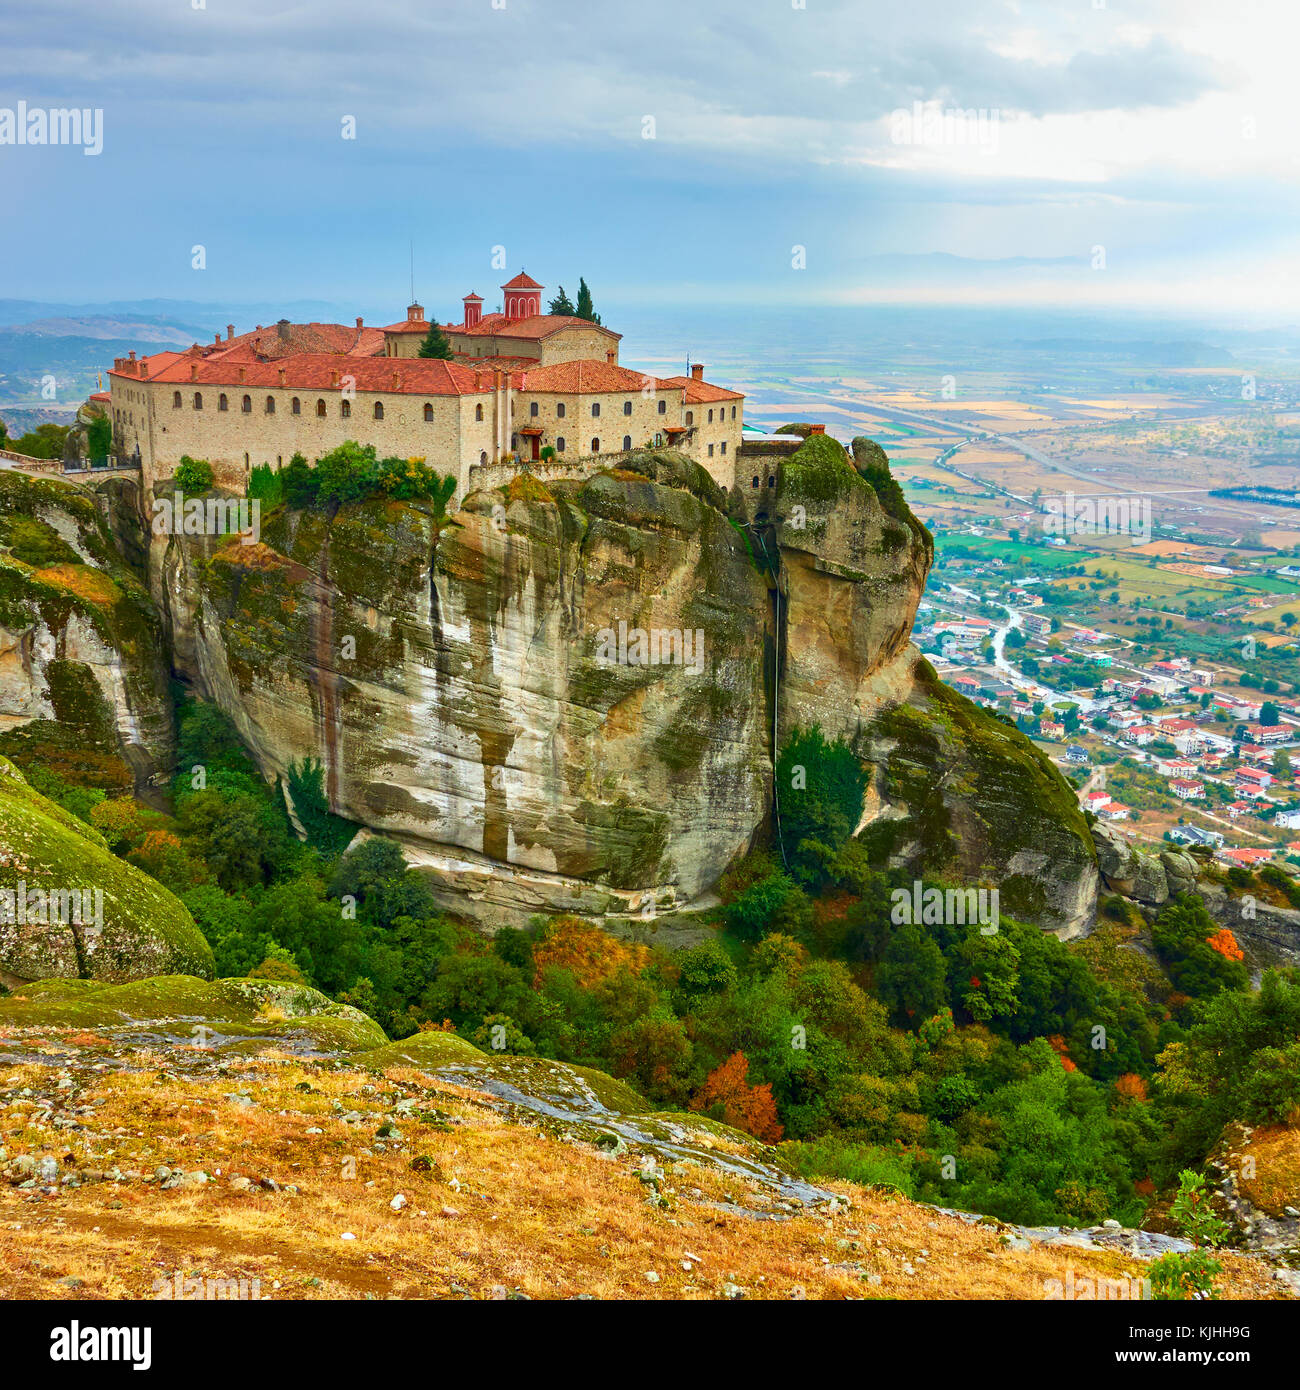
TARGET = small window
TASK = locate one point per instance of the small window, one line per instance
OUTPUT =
(627, 407)
(533, 409)
(176, 400)
(559, 444)
(595, 446)
(296, 407)
(428, 413)
(198, 400)
(595, 409)
(690, 417)
(482, 456)
(478, 412)
(223, 401)
(710, 450)
(771, 482)
(245, 463)
(345, 409)
(379, 410)
(320, 410)
(627, 442)
(559, 411)
(710, 417)
(247, 405)
(663, 407)
(754, 483)
(723, 446)
(733, 412)
(270, 405)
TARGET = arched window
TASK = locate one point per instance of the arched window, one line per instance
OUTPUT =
(559, 444)
(223, 401)
(270, 405)
(771, 482)
(733, 412)
(559, 411)
(754, 483)
(296, 406)
(663, 407)
(246, 405)
(482, 457)
(627, 442)
(627, 407)
(428, 413)
(533, 409)
(710, 417)
(198, 400)
(379, 410)
(690, 417)
(478, 412)
(245, 463)
(595, 446)
(176, 400)
(595, 409)
(320, 410)
(345, 409)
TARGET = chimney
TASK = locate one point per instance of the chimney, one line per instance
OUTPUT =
(282, 380)
(282, 329)
(358, 321)
(817, 429)
(131, 355)
(697, 371)
(216, 340)
(334, 379)
(230, 331)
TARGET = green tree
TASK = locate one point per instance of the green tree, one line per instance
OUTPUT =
(562, 304)
(192, 475)
(585, 308)
(912, 979)
(436, 344)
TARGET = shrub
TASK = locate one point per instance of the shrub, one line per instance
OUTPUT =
(192, 475)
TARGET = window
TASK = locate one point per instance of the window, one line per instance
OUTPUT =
(176, 400)
(595, 409)
(247, 405)
(533, 409)
(345, 409)
(223, 401)
(559, 444)
(595, 446)
(482, 456)
(771, 482)
(663, 407)
(690, 417)
(379, 410)
(296, 406)
(478, 412)
(754, 483)
(724, 446)
(428, 413)
(270, 405)
(627, 442)
(320, 410)
(245, 463)
(559, 411)
(627, 407)
(710, 417)
(733, 412)
(198, 400)
(710, 450)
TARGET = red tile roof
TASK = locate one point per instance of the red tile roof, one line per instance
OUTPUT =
(583, 375)
(536, 326)
(273, 343)
(316, 371)
(522, 282)
(701, 392)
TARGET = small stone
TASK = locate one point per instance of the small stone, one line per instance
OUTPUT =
(315, 1129)
(240, 1184)
(347, 1235)
(450, 1211)
(398, 1202)
(651, 1276)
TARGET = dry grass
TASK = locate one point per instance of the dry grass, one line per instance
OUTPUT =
(505, 1206)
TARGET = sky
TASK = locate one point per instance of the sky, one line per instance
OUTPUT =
(1084, 153)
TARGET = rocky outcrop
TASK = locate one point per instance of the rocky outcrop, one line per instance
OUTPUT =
(452, 678)
(85, 913)
(83, 676)
(1143, 875)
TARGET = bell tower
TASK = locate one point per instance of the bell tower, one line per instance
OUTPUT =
(523, 298)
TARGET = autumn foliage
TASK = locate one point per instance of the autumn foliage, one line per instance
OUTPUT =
(751, 1108)
(1225, 943)
(588, 953)
(1131, 1086)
